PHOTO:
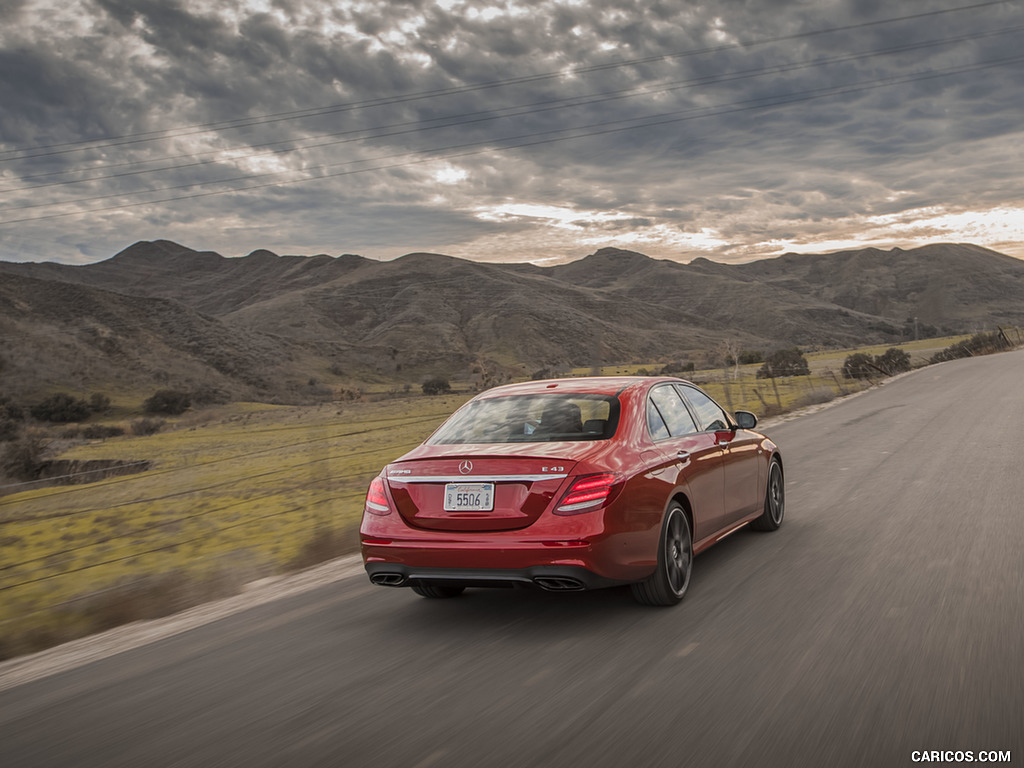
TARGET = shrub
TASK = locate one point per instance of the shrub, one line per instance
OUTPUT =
(71, 432)
(678, 367)
(23, 458)
(979, 344)
(171, 402)
(209, 395)
(540, 375)
(750, 356)
(9, 410)
(9, 429)
(436, 386)
(859, 366)
(99, 403)
(893, 361)
(143, 427)
(61, 408)
(784, 362)
(101, 432)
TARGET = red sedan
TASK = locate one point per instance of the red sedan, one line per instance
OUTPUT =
(571, 484)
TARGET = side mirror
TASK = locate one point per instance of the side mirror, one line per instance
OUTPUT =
(746, 419)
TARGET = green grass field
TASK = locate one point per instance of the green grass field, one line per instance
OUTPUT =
(246, 490)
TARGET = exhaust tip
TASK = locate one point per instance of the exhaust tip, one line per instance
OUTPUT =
(559, 583)
(388, 579)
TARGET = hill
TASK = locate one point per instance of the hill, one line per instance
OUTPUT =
(267, 326)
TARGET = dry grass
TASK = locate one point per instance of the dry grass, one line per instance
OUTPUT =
(242, 489)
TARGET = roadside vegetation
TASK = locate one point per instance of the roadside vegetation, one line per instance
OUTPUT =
(153, 504)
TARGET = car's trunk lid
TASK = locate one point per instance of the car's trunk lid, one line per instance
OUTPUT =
(480, 488)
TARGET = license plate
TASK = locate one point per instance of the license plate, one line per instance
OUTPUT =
(469, 497)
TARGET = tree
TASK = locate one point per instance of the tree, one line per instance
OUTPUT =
(436, 386)
(784, 362)
(168, 401)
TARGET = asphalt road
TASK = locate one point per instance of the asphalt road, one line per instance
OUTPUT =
(885, 617)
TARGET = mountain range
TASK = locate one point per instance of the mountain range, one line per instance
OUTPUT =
(295, 327)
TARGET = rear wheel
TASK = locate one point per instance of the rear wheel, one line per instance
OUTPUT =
(668, 584)
(774, 500)
(436, 591)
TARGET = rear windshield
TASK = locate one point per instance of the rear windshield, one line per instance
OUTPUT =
(541, 418)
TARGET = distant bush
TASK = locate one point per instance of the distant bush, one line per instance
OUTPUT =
(171, 402)
(540, 375)
(99, 403)
(71, 432)
(101, 432)
(436, 386)
(61, 408)
(9, 410)
(9, 429)
(678, 367)
(209, 395)
(784, 362)
(143, 427)
(745, 357)
(979, 344)
(22, 459)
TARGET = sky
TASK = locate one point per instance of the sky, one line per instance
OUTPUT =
(525, 130)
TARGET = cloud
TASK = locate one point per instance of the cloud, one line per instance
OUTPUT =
(722, 129)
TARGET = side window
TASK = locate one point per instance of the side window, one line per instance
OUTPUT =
(708, 413)
(673, 411)
(655, 424)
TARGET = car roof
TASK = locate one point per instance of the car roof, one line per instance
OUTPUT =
(597, 385)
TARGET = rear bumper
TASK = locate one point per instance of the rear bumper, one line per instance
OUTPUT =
(554, 578)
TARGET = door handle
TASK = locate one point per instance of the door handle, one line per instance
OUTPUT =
(724, 444)
(683, 456)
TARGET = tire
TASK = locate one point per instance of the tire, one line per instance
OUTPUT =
(774, 500)
(436, 591)
(671, 577)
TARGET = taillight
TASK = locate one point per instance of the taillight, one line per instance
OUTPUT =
(377, 498)
(586, 494)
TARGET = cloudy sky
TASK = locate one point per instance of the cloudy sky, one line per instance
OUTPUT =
(518, 130)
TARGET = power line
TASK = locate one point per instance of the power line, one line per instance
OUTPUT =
(481, 147)
(144, 136)
(470, 118)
